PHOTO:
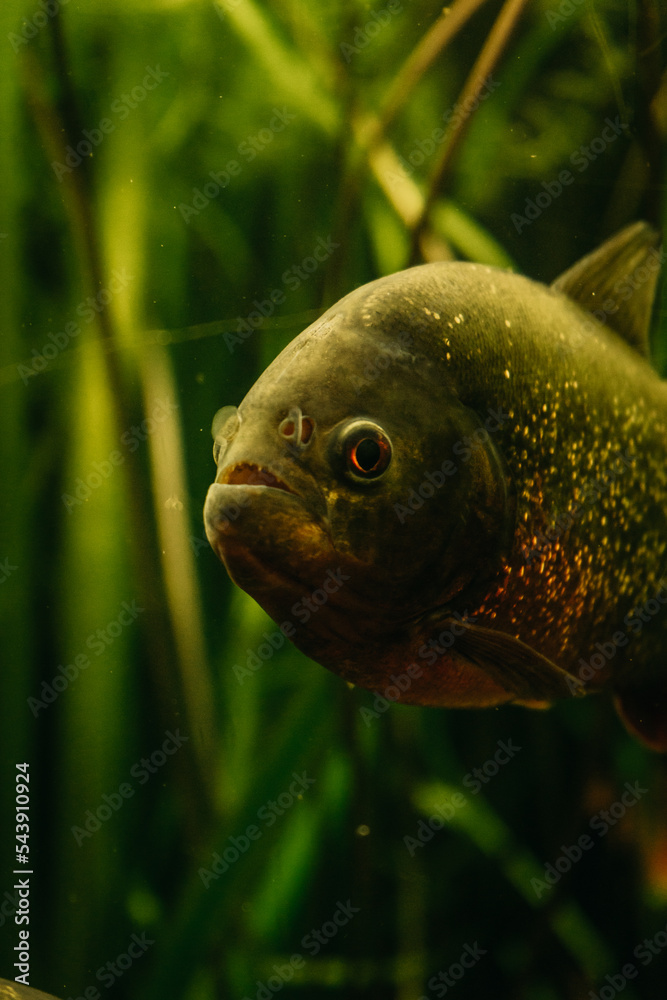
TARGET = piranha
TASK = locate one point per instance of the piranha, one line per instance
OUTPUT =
(452, 487)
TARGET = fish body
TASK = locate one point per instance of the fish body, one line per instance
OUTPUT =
(475, 462)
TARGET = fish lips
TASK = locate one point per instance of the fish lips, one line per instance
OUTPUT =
(264, 532)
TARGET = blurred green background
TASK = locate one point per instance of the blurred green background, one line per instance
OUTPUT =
(126, 270)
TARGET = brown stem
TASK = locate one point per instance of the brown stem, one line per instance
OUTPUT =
(486, 62)
(370, 130)
(421, 58)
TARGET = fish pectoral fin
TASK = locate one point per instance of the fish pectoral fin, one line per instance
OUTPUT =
(527, 674)
(643, 712)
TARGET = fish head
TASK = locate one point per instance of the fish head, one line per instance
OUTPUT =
(338, 475)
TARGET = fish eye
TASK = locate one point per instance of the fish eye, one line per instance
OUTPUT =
(366, 456)
(364, 450)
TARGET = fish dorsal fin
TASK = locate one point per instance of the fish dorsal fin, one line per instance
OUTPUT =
(616, 283)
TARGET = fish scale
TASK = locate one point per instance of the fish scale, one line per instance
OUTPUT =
(573, 594)
(496, 496)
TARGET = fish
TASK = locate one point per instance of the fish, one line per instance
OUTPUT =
(451, 488)
(10, 990)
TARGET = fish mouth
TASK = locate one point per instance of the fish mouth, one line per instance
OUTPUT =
(247, 505)
(261, 529)
(250, 474)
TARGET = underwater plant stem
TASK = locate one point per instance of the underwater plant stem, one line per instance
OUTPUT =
(486, 62)
(56, 126)
(421, 58)
(370, 129)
